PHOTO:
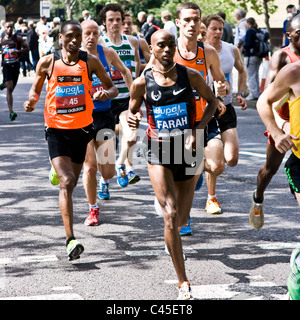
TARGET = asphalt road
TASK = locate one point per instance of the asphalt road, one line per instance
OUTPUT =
(124, 256)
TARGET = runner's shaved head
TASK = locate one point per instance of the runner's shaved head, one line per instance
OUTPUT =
(159, 34)
(89, 23)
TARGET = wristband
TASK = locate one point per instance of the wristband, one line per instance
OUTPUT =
(240, 93)
(283, 125)
(220, 98)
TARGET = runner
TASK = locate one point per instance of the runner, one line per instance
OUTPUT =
(127, 47)
(224, 148)
(12, 47)
(201, 57)
(274, 158)
(144, 51)
(68, 115)
(287, 81)
(101, 150)
(165, 86)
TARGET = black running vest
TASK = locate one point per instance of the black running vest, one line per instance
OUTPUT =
(172, 109)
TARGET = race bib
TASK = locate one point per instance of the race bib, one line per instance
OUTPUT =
(70, 99)
(171, 117)
(97, 85)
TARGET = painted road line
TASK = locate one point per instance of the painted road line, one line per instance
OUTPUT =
(58, 296)
(28, 259)
(241, 291)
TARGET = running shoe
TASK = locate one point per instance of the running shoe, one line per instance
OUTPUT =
(213, 206)
(53, 177)
(256, 214)
(133, 177)
(185, 292)
(104, 191)
(122, 177)
(186, 230)
(199, 182)
(12, 116)
(74, 249)
(293, 282)
(92, 219)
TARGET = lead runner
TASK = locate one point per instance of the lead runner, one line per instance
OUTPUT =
(68, 115)
(168, 86)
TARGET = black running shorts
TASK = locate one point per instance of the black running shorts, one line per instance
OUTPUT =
(71, 143)
(292, 170)
(104, 125)
(228, 120)
(183, 165)
(11, 72)
(118, 106)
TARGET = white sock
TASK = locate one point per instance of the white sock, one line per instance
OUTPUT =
(129, 168)
(94, 206)
(211, 196)
(118, 163)
(104, 180)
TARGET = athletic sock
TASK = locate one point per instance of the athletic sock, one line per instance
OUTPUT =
(94, 206)
(129, 168)
(68, 240)
(257, 200)
(104, 180)
(209, 196)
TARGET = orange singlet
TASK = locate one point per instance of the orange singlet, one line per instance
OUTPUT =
(68, 102)
(197, 63)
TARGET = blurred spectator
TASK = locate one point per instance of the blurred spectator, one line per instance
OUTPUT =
(42, 25)
(291, 11)
(33, 44)
(251, 61)
(227, 29)
(25, 63)
(144, 26)
(45, 43)
(18, 24)
(86, 15)
(241, 27)
(152, 27)
(54, 33)
(169, 25)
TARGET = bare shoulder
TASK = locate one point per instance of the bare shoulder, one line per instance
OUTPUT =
(133, 40)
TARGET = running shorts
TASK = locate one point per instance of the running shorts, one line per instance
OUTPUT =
(163, 153)
(104, 125)
(69, 142)
(228, 120)
(118, 106)
(11, 72)
(292, 170)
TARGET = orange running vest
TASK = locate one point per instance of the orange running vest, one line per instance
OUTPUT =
(198, 63)
(68, 102)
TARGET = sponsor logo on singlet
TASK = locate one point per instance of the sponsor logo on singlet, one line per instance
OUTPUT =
(171, 117)
(70, 99)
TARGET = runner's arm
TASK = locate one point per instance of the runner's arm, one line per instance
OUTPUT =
(120, 66)
(242, 77)
(42, 69)
(276, 90)
(137, 93)
(95, 66)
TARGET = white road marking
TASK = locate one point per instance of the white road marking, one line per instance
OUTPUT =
(58, 296)
(28, 259)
